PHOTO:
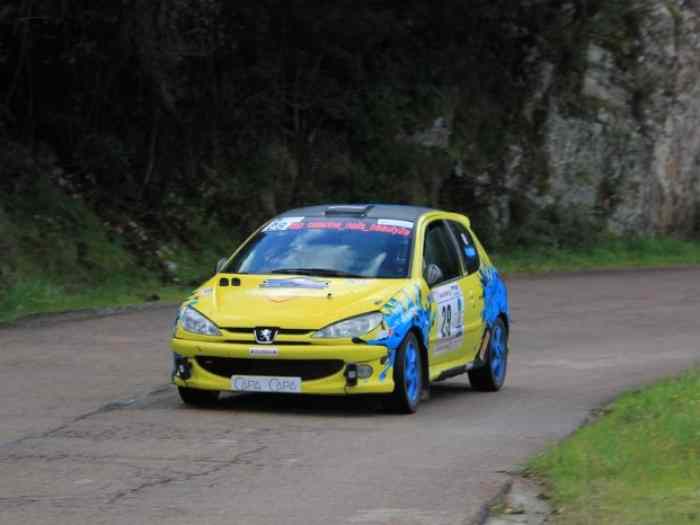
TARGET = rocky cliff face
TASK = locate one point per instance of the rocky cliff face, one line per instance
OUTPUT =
(599, 126)
(623, 139)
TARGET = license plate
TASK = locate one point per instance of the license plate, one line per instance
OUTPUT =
(280, 385)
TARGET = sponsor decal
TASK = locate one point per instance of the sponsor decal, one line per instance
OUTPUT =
(407, 309)
(263, 351)
(394, 222)
(295, 282)
(327, 225)
(393, 230)
(495, 295)
(467, 247)
(282, 224)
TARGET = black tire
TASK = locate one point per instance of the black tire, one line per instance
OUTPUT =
(408, 376)
(492, 375)
(197, 397)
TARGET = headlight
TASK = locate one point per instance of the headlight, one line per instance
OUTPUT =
(192, 321)
(354, 327)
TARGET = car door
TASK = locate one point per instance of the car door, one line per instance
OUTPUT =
(442, 269)
(472, 287)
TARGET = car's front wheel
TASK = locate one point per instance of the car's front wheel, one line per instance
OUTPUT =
(408, 376)
(197, 397)
(492, 375)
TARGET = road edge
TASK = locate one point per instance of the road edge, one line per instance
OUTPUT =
(591, 272)
(484, 512)
(522, 504)
(82, 314)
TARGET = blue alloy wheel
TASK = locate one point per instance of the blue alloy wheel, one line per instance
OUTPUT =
(411, 371)
(408, 376)
(492, 375)
(497, 350)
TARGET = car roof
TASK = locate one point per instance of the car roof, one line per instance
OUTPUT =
(370, 211)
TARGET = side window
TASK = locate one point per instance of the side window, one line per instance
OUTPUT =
(468, 251)
(440, 251)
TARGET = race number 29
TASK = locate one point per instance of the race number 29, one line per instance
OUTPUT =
(446, 324)
(450, 311)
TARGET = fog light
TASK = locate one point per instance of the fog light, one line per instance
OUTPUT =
(183, 370)
(364, 371)
(351, 374)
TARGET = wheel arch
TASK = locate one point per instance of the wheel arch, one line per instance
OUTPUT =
(506, 321)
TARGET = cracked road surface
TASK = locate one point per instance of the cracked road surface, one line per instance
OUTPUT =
(90, 431)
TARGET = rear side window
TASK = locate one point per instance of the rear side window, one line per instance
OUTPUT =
(467, 247)
(440, 250)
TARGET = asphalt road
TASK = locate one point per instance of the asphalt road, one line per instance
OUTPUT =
(90, 432)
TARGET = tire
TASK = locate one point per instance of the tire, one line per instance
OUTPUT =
(492, 376)
(408, 376)
(197, 397)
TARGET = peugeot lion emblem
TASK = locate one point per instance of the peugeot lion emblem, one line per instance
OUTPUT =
(265, 336)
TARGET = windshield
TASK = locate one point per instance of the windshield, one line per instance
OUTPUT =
(335, 247)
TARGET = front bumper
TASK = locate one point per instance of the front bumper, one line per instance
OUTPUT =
(380, 381)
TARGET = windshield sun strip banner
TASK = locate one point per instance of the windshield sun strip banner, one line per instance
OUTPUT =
(388, 226)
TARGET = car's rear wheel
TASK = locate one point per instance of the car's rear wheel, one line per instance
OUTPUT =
(197, 397)
(492, 376)
(408, 376)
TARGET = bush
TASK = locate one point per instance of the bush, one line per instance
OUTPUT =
(556, 227)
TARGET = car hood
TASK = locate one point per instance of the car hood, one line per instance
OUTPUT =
(289, 301)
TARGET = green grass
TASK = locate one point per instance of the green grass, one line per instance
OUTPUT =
(57, 254)
(638, 464)
(606, 254)
(42, 296)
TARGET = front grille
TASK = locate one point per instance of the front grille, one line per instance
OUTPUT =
(280, 331)
(307, 369)
(285, 343)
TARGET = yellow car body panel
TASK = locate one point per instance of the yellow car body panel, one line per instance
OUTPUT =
(252, 305)
(449, 320)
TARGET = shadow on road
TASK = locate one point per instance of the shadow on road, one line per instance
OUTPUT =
(324, 406)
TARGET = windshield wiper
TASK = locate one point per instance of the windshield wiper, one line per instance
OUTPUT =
(322, 272)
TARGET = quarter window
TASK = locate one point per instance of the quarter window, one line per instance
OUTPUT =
(467, 247)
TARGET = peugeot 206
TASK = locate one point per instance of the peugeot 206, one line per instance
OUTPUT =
(345, 300)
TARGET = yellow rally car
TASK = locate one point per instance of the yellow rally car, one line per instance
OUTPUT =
(357, 299)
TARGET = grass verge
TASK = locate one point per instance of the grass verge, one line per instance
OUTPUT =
(606, 254)
(42, 296)
(57, 254)
(638, 464)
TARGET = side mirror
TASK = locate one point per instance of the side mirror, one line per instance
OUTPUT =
(220, 265)
(433, 274)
